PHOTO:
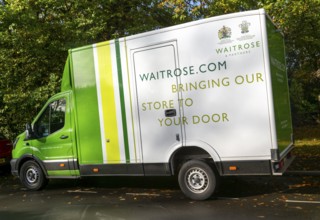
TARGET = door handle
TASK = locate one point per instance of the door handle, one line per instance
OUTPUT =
(64, 136)
(170, 112)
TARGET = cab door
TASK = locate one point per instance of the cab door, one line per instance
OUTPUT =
(53, 137)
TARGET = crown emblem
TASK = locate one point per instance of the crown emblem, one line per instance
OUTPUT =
(244, 27)
(224, 32)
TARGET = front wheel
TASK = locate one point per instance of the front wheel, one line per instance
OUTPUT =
(32, 176)
(197, 180)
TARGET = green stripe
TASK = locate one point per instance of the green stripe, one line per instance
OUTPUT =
(127, 65)
(86, 106)
(123, 107)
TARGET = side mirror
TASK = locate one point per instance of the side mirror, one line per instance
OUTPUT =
(29, 131)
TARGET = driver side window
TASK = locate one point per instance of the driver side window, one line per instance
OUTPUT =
(52, 119)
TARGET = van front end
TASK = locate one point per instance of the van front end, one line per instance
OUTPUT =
(26, 166)
(19, 149)
(47, 148)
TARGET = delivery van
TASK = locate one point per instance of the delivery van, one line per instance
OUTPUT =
(198, 101)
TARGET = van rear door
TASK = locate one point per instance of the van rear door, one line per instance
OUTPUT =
(158, 107)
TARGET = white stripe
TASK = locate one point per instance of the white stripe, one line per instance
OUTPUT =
(102, 132)
(117, 102)
(59, 161)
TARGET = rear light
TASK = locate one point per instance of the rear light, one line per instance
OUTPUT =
(278, 166)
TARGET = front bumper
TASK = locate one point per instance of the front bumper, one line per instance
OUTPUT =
(14, 168)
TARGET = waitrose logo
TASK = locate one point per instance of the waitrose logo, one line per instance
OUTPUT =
(238, 48)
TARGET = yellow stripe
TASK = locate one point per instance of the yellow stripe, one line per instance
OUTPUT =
(108, 102)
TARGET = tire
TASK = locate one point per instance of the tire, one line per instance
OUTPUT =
(197, 180)
(32, 176)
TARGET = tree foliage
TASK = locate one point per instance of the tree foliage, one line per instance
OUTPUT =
(36, 35)
(300, 21)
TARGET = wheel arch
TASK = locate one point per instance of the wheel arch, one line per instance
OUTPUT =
(28, 157)
(199, 151)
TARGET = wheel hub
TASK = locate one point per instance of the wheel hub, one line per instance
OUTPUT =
(197, 180)
(31, 175)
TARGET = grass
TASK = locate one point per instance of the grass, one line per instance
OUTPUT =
(307, 148)
(307, 135)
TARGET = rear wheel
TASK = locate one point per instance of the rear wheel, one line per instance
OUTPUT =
(197, 180)
(32, 176)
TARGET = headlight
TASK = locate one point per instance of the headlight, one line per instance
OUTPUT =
(15, 142)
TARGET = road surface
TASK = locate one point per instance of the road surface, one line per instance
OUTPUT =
(120, 198)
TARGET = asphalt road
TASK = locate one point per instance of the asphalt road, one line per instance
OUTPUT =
(119, 198)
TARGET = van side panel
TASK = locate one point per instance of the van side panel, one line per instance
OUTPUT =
(115, 109)
(103, 111)
(279, 87)
(137, 99)
(86, 107)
